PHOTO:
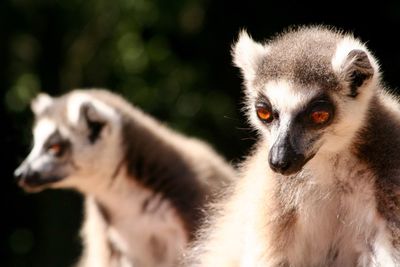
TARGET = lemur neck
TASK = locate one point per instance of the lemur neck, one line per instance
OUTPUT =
(127, 200)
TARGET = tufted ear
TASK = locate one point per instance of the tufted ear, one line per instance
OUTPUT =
(91, 115)
(247, 55)
(356, 70)
(40, 103)
(92, 119)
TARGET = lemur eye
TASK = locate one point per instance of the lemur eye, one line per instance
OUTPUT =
(55, 149)
(264, 113)
(320, 117)
(320, 113)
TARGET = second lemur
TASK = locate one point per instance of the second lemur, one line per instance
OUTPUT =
(322, 185)
(145, 185)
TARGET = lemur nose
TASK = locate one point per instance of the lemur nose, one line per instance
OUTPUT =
(279, 164)
(283, 159)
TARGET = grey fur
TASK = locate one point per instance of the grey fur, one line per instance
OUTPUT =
(293, 57)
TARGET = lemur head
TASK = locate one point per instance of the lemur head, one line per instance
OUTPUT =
(76, 143)
(307, 92)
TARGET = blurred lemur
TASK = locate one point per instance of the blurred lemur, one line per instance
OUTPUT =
(322, 185)
(144, 184)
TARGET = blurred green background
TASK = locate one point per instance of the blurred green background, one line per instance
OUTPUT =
(170, 58)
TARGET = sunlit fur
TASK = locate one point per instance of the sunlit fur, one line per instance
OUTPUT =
(144, 184)
(342, 207)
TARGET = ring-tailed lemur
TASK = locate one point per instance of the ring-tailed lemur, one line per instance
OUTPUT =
(145, 185)
(322, 186)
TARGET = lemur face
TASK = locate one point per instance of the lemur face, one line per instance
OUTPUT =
(50, 159)
(294, 122)
(74, 144)
(307, 92)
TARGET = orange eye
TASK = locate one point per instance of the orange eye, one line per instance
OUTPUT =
(320, 117)
(55, 149)
(264, 114)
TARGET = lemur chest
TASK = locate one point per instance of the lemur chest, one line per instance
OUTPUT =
(337, 223)
(145, 231)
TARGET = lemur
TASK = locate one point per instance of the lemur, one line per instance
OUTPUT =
(144, 184)
(321, 187)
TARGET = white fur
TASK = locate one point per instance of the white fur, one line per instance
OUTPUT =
(131, 229)
(75, 102)
(343, 48)
(348, 215)
(285, 98)
(247, 53)
(383, 249)
(325, 215)
(40, 103)
(94, 229)
(43, 130)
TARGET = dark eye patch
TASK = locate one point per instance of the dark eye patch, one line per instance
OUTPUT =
(263, 99)
(321, 103)
(264, 110)
(57, 139)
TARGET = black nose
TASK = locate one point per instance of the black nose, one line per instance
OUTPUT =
(280, 165)
(283, 159)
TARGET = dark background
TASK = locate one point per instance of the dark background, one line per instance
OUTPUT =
(169, 57)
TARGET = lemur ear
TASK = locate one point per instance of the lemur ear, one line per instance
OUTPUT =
(93, 120)
(357, 70)
(247, 55)
(40, 103)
